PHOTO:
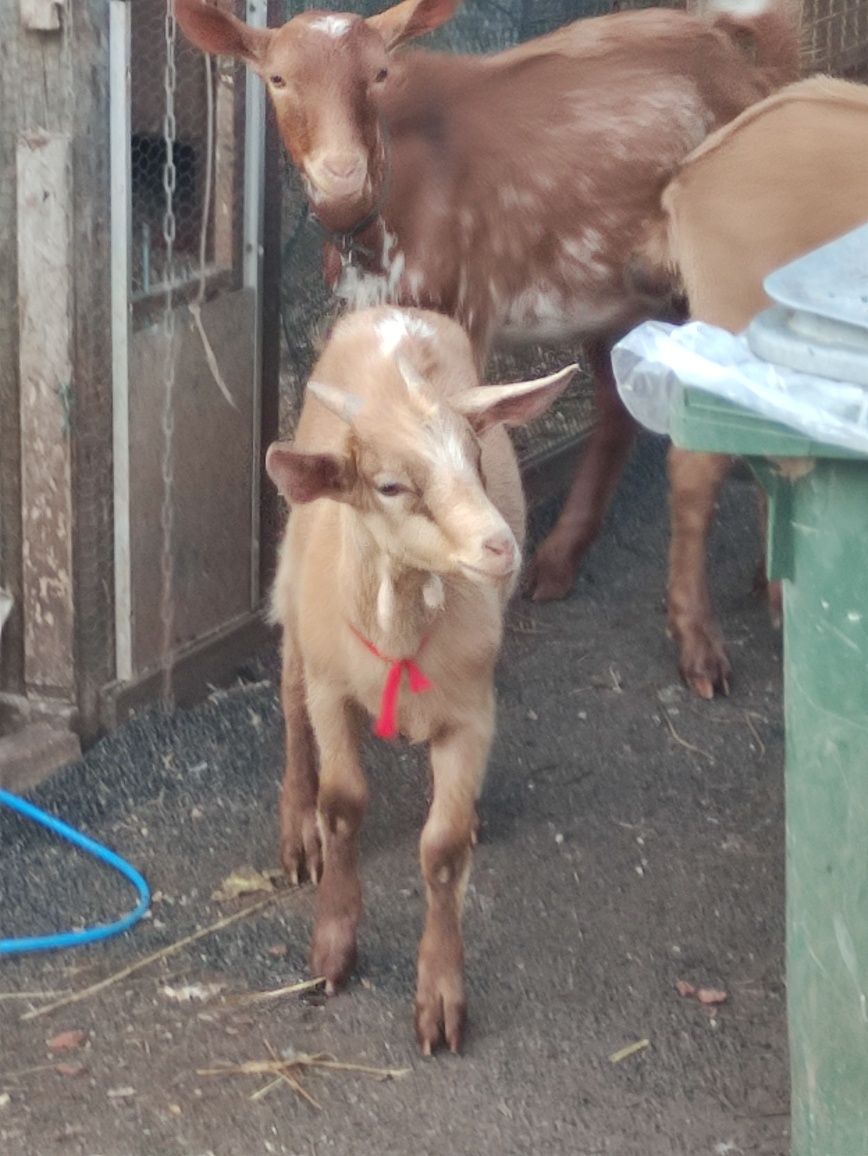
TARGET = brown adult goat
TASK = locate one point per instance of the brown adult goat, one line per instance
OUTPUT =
(508, 191)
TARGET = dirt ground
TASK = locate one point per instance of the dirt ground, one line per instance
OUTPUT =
(633, 838)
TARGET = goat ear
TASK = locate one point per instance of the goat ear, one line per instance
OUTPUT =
(221, 33)
(302, 477)
(412, 18)
(485, 406)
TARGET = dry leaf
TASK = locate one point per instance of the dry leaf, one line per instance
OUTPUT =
(66, 1041)
(711, 996)
(245, 881)
(70, 1069)
(279, 950)
(120, 1093)
(708, 996)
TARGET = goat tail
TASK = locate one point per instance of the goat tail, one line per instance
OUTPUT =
(767, 31)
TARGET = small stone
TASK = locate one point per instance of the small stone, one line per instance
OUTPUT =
(672, 693)
(175, 1109)
(532, 715)
(559, 838)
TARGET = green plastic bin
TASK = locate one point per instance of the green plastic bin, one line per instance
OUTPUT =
(818, 544)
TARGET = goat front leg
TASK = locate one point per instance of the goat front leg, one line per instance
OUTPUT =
(341, 805)
(458, 762)
(300, 851)
(553, 571)
(694, 483)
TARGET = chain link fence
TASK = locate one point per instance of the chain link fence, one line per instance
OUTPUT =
(836, 37)
(206, 200)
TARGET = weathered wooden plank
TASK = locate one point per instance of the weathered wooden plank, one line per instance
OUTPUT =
(45, 318)
(12, 653)
(42, 15)
(88, 90)
(225, 165)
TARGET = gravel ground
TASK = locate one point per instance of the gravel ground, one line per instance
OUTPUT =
(633, 838)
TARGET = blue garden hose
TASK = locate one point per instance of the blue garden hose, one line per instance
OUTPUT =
(104, 855)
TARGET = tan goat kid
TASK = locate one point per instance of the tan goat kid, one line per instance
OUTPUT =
(404, 570)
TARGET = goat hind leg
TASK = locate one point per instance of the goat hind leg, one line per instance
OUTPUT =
(762, 584)
(694, 483)
(552, 573)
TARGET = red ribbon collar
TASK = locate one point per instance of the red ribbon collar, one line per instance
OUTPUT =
(386, 725)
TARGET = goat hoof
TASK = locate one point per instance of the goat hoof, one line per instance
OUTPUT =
(551, 575)
(333, 951)
(703, 662)
(300, 849)
(441, 1013)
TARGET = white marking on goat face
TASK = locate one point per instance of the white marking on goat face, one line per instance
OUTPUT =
(447, 450)
(396, 326)
(336, 26)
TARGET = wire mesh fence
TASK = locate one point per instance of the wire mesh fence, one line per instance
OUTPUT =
(206, 201)
(836, 36)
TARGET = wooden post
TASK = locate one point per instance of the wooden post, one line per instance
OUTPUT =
(46, 414)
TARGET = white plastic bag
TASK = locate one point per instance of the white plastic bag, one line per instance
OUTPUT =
(655, 361)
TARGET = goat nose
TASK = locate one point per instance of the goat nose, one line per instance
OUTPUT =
(499, 544)
(343, 165)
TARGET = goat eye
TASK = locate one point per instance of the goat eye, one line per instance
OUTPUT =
(390, 489)
(381, 75)
(277, 82)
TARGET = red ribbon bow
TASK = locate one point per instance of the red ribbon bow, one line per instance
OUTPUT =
(386, 726)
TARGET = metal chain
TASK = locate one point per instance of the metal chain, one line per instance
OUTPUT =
(167, 514)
